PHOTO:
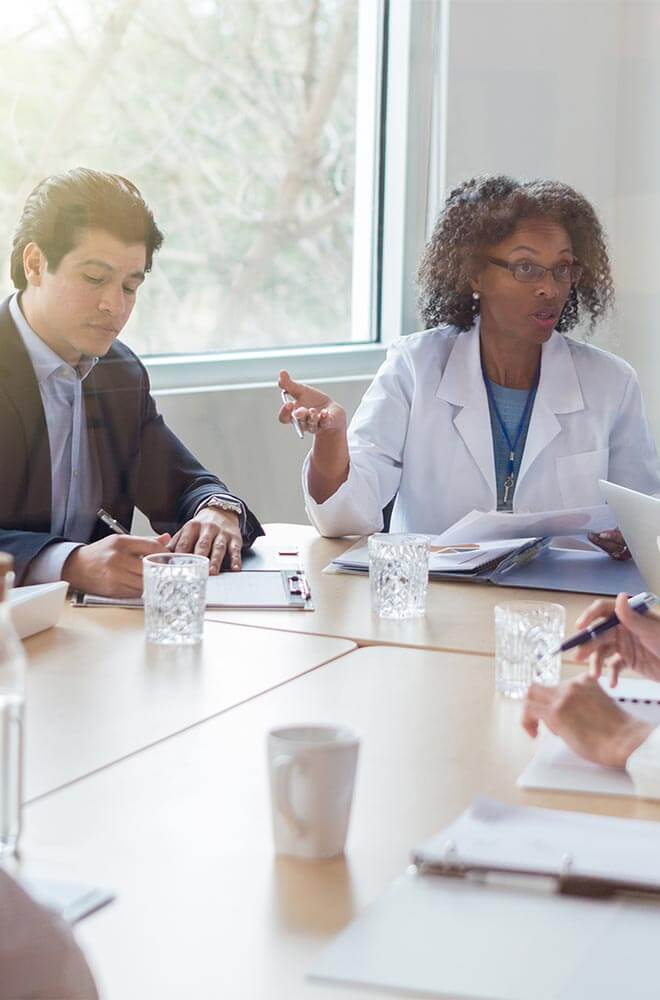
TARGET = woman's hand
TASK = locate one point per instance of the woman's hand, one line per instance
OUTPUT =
(326, 420)
(315, 411)
(586, 718)
(635, 643)
(611, 542)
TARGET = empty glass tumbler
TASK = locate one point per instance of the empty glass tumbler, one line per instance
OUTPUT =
(526, 633)
(399, 574)
(174, 597)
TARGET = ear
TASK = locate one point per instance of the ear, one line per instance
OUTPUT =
(474, 280)
(34, 264)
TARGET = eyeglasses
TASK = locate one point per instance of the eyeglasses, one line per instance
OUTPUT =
(524, 270)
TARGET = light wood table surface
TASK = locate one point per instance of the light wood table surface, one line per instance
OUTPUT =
(182, 830)
(459, 616)
(96, 691)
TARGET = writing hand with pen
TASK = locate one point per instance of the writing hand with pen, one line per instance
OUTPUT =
(578, 710)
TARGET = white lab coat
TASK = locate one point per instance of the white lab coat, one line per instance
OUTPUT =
(423, 432)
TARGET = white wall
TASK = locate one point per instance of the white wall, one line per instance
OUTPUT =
(571, 90)
(235, 433)
(637, 199)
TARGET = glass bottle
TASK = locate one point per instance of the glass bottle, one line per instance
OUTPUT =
(12, 705)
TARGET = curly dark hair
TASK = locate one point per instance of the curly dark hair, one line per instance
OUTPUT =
(485, 210)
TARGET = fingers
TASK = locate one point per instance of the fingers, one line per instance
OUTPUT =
(538, 701)
(311, 419)
(217, 554)
(186, 537)
(645, 627)
(597, 609)
(611, 542)
(285, 382)
(234, 549)
(284, 415)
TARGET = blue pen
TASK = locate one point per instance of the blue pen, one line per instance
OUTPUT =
(640, 603)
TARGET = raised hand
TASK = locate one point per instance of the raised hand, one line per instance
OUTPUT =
(314, 410)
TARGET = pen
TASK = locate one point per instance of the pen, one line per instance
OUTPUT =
(640, 603)
(288, 398)
(111, 523)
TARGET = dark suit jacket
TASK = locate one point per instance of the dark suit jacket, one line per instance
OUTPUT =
(141, 462)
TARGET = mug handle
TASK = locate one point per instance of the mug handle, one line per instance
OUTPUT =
(282, 768)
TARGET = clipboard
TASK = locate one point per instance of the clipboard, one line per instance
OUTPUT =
(490, 919)
(257, 590)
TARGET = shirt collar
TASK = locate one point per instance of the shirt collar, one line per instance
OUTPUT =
(44, 359)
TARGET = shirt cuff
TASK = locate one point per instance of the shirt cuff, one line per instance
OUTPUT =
(48, 565)
(242, 518)
(353, 509)
(643, 766)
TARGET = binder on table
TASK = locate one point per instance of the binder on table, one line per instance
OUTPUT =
(523, 903)
(530, 563)
(485, 562)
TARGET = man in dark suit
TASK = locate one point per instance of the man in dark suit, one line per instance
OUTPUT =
(79, 429)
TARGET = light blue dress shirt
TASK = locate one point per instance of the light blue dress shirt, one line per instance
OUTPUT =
(511, 404)
(75, 479)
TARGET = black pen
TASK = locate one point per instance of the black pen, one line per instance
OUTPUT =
(108, 519)
(640, 603)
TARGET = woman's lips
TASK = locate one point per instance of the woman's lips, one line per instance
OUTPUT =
(545, 318)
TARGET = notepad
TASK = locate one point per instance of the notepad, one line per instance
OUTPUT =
(71, 900)
(274, 590)
(555, 766)
(36, 607)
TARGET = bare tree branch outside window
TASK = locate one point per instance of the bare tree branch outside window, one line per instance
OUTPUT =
(236, 118)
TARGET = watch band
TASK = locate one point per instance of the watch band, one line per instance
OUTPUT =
(224, 503)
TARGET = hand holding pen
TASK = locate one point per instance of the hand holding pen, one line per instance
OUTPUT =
(308, 409)
(631, 641)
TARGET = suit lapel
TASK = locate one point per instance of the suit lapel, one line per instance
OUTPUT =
(19, 385)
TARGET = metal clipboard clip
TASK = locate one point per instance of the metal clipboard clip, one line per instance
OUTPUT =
(298, 589)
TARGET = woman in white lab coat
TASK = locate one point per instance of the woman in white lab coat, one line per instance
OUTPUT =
(493, 407)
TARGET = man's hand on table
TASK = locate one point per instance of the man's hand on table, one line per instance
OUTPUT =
(112, 567)
(213, 533)
(586, 718)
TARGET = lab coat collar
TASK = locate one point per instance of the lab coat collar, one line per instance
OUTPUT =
(462, 385)
(559, 386)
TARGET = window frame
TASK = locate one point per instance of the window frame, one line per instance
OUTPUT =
(400, 75)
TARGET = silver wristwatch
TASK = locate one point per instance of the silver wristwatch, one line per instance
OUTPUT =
(224, 503)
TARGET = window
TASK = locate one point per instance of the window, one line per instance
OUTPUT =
(251, 128)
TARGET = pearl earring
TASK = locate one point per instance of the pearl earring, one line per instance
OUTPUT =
(476, 296)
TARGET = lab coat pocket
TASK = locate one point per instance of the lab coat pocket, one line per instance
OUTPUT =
(578, 477)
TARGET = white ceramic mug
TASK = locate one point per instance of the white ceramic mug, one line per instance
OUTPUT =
(312, 774)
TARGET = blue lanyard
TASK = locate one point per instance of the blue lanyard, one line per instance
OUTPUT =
(529, 403)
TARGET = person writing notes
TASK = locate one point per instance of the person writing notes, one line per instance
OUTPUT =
(584, 715)
(493, 407)
(79, 429)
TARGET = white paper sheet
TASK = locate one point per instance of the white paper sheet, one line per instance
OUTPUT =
(357, 557)
(491, 833)
(555, 766)
(480, 526)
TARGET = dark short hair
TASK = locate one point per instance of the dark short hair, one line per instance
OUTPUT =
(61, 206)
(484, 211)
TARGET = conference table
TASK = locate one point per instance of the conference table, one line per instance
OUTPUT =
(459, 615)
(97, 692)
(181, 831)
(146, 774)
